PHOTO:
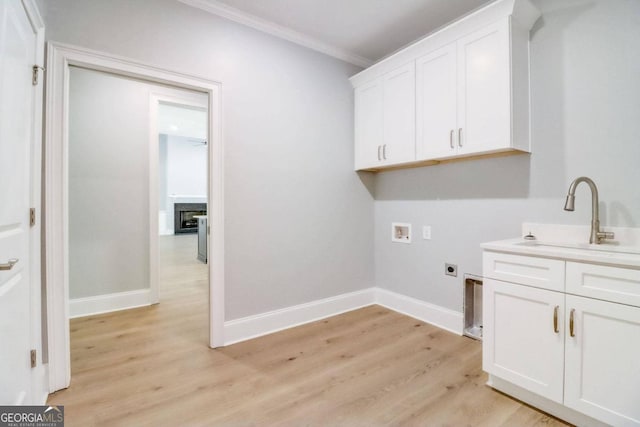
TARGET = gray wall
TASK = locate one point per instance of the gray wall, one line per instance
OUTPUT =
(108, 184)
(298, 220)
(585, 84)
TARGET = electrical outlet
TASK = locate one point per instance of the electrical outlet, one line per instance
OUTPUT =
(426, 232)
(451, 270)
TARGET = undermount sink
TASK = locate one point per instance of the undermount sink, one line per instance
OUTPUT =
(609, 247)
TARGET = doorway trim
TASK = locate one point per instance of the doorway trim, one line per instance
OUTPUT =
(56, 216)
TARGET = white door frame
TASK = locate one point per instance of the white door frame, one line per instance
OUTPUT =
(59, 58)
(154, 100)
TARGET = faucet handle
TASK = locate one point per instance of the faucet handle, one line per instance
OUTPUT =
(605, 235)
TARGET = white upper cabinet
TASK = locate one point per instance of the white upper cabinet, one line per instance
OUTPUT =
(385, 119)
(436, 103)
(462, 91)
(484, 101)
(399, 106)
(368, 124)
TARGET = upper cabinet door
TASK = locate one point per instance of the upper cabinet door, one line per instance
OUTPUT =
(368, 125)
(399, 101)
(484, 102)
(436, 129)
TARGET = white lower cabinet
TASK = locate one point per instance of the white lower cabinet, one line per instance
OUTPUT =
(521, 344)
(582, 354)
(602, 368)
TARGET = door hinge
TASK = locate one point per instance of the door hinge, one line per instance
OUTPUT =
(34, 358)
(32, 217)
(35, 74)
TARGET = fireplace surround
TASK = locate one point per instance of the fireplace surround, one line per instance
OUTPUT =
(184, 213)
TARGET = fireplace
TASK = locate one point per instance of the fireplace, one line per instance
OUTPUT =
(184, 216)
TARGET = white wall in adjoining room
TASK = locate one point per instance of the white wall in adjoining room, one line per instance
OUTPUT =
(186, 166)
(183, 172)
(585, 63)
(298, 220)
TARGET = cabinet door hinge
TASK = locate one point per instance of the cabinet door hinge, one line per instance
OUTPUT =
(35, 74)
(34, 358)
(32, 217)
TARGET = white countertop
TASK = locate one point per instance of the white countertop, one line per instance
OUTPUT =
(605, 253)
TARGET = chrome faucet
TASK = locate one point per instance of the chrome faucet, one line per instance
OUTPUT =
(597, 236)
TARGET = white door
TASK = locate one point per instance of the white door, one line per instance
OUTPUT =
(484, 102)
(523, 337)
(436, 104)
(17, 53)
(368, 125)
(602, 361)
(399, 101)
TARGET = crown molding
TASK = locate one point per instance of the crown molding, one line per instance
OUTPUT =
(218, 8)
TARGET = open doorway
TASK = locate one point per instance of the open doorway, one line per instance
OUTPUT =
(128, 165)
(61, 60)
(138, 153)
(179, 177)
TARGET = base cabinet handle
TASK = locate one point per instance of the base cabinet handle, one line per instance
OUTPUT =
(555, 319)
(9, 264)
(571, 323)
(379, 153)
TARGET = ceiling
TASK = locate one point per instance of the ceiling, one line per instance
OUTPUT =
(182, 121)
(361, 31)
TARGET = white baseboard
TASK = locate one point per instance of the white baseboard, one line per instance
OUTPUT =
(273, 321)
(111, 302)
(265, 323)
(433, 314)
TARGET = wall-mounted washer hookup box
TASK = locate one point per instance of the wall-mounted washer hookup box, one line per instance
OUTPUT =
(401, 232)
(473, 306)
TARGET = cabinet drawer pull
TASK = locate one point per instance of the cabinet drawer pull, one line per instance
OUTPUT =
(379, 153)
(384, 151)
(451, 138)
(571, 316)
(9, 264)
(555, 319)
(459, 137)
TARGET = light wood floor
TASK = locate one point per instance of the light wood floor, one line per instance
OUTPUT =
(152, 366)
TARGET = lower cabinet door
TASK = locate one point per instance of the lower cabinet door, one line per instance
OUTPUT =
(603, 360)
(523, 337)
